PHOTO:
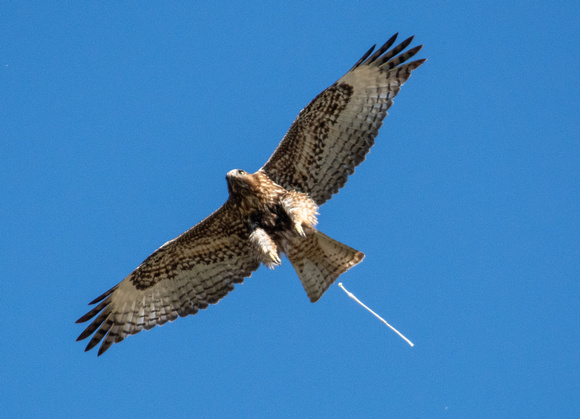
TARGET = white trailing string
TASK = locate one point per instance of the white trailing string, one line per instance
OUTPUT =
(351, 295)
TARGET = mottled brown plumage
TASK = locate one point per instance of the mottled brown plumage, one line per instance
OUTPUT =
(270, 212)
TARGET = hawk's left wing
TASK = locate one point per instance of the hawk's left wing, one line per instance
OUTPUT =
(334, 133)
(184, 275)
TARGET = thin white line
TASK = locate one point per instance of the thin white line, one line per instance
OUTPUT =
(351, 295)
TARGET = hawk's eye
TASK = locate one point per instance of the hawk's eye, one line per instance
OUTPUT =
(240, 172)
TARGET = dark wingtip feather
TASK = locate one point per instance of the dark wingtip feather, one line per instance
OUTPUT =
(415, 64)
(93, 326)
(108, 342)
(92, 343)
(406, 42)
(413, 51)
(104, 295)
(418, 62)
(393, 60)
(364, 57)
(86, 317)
(93, 312)
(396, 50)
(382, 49)
(103, 349)
(99, 335)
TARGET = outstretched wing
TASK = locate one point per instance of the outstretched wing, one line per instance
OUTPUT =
(334, 133)
(184, 275)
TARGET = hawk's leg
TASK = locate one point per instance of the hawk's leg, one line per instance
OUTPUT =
(264, 248)
(302, 211)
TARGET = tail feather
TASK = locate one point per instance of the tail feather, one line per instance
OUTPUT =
(319, 261)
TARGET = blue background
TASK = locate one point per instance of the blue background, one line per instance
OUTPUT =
(118, 123)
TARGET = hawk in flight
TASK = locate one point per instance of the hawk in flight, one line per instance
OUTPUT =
(267, 213)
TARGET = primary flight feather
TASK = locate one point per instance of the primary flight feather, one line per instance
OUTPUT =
(267, 213)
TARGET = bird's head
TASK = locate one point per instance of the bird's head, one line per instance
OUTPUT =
(239, 181)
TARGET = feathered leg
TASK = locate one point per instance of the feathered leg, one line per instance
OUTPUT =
(302, 211)
(264, 249)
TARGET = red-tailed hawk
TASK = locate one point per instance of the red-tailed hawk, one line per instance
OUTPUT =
(270, 212)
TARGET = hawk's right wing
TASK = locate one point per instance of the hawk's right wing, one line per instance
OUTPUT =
(334, 133)
(184, 275)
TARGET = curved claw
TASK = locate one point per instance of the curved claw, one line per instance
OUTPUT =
(274, 257)
(299, 230)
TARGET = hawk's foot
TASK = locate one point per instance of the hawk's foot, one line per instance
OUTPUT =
(301, 210)
(264, 249)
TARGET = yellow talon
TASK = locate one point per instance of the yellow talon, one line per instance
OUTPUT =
(275, 258)
(299, 230)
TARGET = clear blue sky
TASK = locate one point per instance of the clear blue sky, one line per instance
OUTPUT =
(119, 122)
